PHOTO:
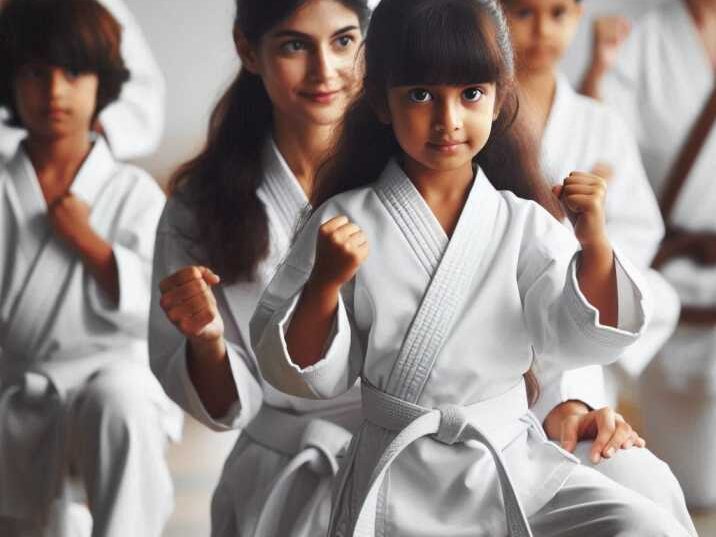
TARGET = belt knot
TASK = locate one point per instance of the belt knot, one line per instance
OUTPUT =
(453, 421)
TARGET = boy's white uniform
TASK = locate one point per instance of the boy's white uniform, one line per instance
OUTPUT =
(447, 327)
(277, 480)
(581, 133)
(77, 391)
(660, 85)
(133, 124)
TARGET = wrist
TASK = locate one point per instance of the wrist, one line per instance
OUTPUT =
(212, 349)
(597, 252)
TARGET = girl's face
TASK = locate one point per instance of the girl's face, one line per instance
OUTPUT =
(53, 102)
(541, 30)
(441, 128)
(308, 62)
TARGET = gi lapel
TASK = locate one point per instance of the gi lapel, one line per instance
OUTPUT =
(284, 200)
(459, 266)
(37, 302)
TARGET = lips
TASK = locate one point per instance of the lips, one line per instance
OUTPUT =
(321, 97)
(446, 146)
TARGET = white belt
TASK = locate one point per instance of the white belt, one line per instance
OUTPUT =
(314, 443)
(449, 424)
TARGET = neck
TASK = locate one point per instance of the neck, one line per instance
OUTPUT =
(703, 13)
(57, 160)
(439, 185)
(304, 147)
(537, 90)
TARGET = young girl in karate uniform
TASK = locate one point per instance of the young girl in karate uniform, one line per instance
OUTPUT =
(422, 273)
(234, 208)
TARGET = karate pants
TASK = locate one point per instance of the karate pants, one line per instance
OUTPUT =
(639, 470)
(590, 504)
(116, 445)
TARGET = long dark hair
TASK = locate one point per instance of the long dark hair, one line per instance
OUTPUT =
(220, 184)
(454, 42)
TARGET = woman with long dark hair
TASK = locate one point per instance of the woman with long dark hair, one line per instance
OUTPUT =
(228, 223)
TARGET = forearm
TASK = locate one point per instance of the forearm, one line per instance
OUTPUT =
(598, 281)
(311, 323)
(591, 82)
(210, 373)
(98, 257)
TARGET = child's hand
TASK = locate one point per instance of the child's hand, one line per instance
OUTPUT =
(603, 170)
(572, 421)
(69, 217)
(583, 196)
(189, 303)
(609, 34)
(341, 249)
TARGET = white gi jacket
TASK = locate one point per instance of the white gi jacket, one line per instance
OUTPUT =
(450, 324)
(278, 478)
(56, 326)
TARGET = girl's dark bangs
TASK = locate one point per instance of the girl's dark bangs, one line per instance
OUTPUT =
(447, 44)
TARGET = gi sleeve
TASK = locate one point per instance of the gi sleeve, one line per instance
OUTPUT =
(168, 346)
(563, 325)
(133, 124)
(337, 369)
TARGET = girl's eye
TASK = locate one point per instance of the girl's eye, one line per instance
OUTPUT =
(293, 46)
(344, 41)
(523, 13)
(472, 94)
(420, 95)
(559, 12)
(72, 74)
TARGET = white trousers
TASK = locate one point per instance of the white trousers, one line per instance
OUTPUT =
(639, 470)
(116, 442)
(590, 504)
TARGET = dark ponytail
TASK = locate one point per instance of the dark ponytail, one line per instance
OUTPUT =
(220, 184)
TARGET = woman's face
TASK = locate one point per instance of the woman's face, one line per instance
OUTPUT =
(308, 62)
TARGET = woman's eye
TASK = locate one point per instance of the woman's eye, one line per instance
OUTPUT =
(72, 74)
(472, 94)
(559, 12)
(523, 13)
(344, 41)
(293, 46)
(420, 96)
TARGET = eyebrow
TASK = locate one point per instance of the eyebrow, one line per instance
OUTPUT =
(294, 33)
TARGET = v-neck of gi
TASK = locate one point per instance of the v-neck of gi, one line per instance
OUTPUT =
(416, 219)
(282, 187)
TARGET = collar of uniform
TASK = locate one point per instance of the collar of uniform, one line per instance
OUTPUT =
(94, 173)
(282, 187)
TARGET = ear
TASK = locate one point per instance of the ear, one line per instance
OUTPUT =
(246, 52)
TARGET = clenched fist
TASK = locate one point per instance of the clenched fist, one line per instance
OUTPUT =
(70, 219)
(609, 34)
(341, 248)
(189, 303)
(583, 195)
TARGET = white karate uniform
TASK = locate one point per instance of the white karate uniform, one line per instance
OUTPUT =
(660, 85)
(77, 395)
(580, 133)
(420, 326)
(277, 480)
(133, 124)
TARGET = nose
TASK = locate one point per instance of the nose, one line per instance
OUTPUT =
(447, 116)
(56, 83)
(543, 26)
(324, 65)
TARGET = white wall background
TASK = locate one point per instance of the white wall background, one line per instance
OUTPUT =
(192, 43)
